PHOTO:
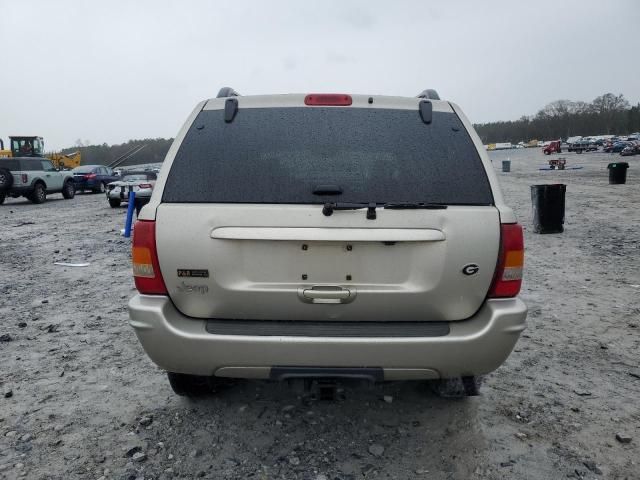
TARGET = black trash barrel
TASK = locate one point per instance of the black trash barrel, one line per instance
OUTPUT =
(548, 207)
(617, 173)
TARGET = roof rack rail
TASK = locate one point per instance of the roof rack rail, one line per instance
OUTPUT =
(429, 94)
(227, 92)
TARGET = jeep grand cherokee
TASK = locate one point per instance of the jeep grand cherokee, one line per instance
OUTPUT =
(325, 235)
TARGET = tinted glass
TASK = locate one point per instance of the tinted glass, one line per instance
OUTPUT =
(10, 164)
(281, 155)
(29, 165)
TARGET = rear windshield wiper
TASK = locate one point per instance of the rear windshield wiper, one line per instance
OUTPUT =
(329, 207)
(413, 205)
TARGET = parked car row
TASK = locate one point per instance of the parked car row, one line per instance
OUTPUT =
(611, 144)
(623, 147)
(35, 178)
(631, 146)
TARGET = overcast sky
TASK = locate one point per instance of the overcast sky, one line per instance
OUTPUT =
(111, 71)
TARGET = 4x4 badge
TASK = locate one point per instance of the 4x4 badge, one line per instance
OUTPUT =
(470, 269)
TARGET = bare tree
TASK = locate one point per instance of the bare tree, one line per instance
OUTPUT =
(609, 103)
(558, 108)
(578, 108)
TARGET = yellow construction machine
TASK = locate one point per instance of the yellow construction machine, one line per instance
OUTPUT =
(34, 147)
(65, 161)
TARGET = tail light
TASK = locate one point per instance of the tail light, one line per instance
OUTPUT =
(144, 185)
(146, 269)
(508, 276)
(90, 176)
(328, 99)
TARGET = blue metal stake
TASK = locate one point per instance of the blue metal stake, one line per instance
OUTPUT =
(130, 209)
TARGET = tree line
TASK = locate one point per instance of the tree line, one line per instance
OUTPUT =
(607, 114)
(154, 151)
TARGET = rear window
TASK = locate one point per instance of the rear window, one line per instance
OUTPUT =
(10, 164)
(30, 165)
(280, 155)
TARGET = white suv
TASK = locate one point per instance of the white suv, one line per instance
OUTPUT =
(325, 235)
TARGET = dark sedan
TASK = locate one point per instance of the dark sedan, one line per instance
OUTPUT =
(93, 177)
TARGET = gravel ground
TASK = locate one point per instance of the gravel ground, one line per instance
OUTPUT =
(80, 399)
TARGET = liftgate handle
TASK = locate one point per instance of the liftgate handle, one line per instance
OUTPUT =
(326, 294)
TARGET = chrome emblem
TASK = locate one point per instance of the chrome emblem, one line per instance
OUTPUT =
(185, 288)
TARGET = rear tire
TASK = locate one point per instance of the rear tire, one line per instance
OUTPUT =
(2, 197)
(69, 190)
(456, 387)
(6, 179)
(100, 188)
(114, 202)
(39, 194)
(191, 385)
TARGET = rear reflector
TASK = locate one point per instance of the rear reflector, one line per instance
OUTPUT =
(331, 99)
(146, 269)
(508, 276)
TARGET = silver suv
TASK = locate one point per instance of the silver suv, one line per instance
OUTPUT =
(324, 235)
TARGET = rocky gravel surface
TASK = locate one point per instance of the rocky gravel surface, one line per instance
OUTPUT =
(80, 399)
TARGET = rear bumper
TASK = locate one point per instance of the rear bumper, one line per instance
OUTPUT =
(181, 344)
(86, 184)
